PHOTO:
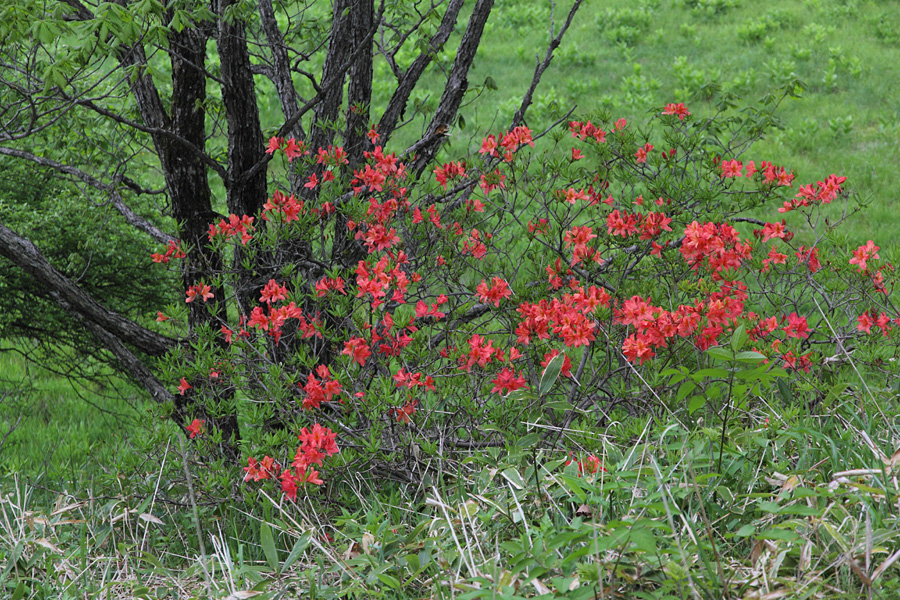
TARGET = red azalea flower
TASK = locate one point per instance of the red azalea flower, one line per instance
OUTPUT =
(196, 428)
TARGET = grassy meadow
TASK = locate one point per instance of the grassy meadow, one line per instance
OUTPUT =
(100, 498)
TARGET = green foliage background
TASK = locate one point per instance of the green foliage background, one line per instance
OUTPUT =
(622, 56)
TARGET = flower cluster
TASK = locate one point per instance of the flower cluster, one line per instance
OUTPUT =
(506, 381)
(492, 181)
(315, 446)
(320, 390)
(404, 413)
(643, 151)
(267, 468)
(863, 254)
(699, 300)
(288, 206)
(376, 280)
(328, 284)
(383, 172)
(510, 142)
(498, 290)
(173, 251)
(474, 245)
(772, 231)
(869, 319)
(390, 344)
(679, 110)
(200, 290)
(770, 173)
(357, 349)
(413, 380)
(654, 326)
(271, 319)
(590, 465)
(292, 148)
(625, 224)
(567, 317)
(235, 225)
(824, 192)
(196, 428)
(585, 130)
(450, 172)
(424, 310)
(715, 246)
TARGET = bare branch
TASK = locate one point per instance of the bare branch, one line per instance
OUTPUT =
(126, 358)
(157, 131)
(337, 79)
(457, 84)
(397, 105)
(542, 65)
(25, 255)
(281, 66)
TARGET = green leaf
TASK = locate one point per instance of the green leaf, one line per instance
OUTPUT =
(686, 388)
(778, 534)
(413, 561)
(559, 405)
(152, 560)
(738, 337)
(388, 580)
(837, 390)
(268, 545)
(298, 549)
(722, 354)
(526, 441)
(573, 485)
(750, 357)
(704, 373)
(784, 391)
(19, 592)
(551, 373)
(513, 476)
(489, 83)
(522, 395)
(697, 402)
(643, 539)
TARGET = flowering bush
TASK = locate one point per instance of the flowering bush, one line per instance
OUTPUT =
(521, 287)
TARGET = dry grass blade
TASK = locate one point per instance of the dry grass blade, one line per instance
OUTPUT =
(885, 565)
(893, 462)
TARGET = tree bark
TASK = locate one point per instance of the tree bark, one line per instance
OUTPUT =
(359, 88)
(423, 151)
(397, 105)
(245, 194)
(359, 98)
(338, 53)
(27, 257)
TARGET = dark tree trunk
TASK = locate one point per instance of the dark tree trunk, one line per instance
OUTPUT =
(245, 189)
(339, 49)
(188, 185)
(359, 90)
(457, 83)
(397, 106)
(246, 193)
(359, 98)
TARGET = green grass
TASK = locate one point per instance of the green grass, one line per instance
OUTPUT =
(62, 436)
(775, 518)
(632, 56)
(798, 508)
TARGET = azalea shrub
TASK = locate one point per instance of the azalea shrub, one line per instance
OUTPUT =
(527, 288)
